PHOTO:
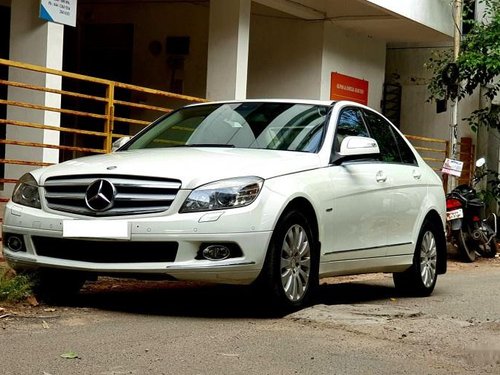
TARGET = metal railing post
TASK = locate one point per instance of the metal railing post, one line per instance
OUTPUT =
(110, 116)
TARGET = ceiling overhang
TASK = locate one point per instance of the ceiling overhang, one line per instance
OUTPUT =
(361, 16)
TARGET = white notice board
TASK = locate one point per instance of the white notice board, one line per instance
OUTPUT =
(59, 11)
(453, 167)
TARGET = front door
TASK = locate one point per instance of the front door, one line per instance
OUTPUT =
(361, 208)
(404, 177)
(361, 205)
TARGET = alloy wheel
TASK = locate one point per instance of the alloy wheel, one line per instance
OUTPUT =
(428, 259)
(295, 263)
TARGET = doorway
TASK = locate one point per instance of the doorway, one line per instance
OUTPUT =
(99, 50)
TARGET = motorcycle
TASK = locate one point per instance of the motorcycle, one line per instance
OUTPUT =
(467, 228)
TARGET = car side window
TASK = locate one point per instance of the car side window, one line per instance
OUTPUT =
(382, 132)
(393, 147)
(350, 123)
(407, 155)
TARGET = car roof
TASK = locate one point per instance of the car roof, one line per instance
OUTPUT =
(291, 101)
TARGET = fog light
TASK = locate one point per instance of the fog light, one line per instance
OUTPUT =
(216, 252)
(15, 243)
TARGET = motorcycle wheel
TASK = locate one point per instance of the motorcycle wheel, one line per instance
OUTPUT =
(466, 246)
(489, 250)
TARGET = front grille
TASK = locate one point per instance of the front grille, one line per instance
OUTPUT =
(134, 195)
(105, 251)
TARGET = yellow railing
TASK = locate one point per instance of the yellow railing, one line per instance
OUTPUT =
(120, 109)
(433, 151)
(106, 111)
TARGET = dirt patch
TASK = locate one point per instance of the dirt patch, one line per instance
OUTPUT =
(354, 314)
(456, 265)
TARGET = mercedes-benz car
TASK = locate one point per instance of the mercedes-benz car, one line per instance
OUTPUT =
(276, 193)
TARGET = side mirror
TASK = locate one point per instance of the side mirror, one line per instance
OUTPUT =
(480, 162)
(353, 148)
(119, 143)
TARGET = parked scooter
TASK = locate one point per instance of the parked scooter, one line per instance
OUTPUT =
(467, 228)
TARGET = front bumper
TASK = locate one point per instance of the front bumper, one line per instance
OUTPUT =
(189, 231)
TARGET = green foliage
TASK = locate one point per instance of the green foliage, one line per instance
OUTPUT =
(438, 62)
(479, 59)
(478, 66)
(14, 288)
(491, 191)
(489, 117)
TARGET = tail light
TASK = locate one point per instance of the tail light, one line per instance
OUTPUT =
(476, 218)
(453, 204)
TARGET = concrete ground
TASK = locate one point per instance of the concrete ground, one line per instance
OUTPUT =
(358, 325)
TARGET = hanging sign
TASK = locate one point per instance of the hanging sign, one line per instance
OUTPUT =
(343, 87)
(59, 11)
(452, 167)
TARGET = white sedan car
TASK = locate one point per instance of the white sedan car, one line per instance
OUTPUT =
(276, 193)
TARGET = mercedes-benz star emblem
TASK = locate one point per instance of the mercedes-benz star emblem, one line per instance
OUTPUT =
(100, 195)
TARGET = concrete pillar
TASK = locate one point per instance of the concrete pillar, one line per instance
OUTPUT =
(228, 49)
(38, 42)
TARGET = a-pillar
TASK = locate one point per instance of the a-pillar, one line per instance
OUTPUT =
(38, 42)
(228, 49)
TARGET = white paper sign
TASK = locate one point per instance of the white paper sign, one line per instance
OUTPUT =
(59, 11)
(452, 167)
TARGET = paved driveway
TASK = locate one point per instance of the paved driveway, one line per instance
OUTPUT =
(359, 325)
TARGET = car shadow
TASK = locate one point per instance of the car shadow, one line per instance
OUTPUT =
(211, 301)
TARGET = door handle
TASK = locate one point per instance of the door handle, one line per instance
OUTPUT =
(381, 177)
(417, 174)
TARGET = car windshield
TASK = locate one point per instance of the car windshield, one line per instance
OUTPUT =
(274, 126)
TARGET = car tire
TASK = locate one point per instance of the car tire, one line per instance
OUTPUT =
(290, 273)
(420, 279)
(57, 286)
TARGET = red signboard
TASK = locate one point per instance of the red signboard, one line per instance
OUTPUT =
(348, 88)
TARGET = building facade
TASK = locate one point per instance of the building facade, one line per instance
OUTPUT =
(235, 49)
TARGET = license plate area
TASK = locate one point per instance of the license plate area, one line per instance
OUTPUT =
(455, 214)
(112, 229)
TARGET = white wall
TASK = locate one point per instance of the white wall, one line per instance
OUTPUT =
(38, 42)
(435, 14)
(301, 66)
(284, 58)
(480, 8)
(354, 55)
(418, 117)
(228, 45)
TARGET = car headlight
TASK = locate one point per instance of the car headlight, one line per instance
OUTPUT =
(26, 192)
(220, 195)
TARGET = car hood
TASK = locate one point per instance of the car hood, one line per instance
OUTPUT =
(192, 166)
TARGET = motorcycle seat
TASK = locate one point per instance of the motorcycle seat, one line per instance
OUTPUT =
(476, 202)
